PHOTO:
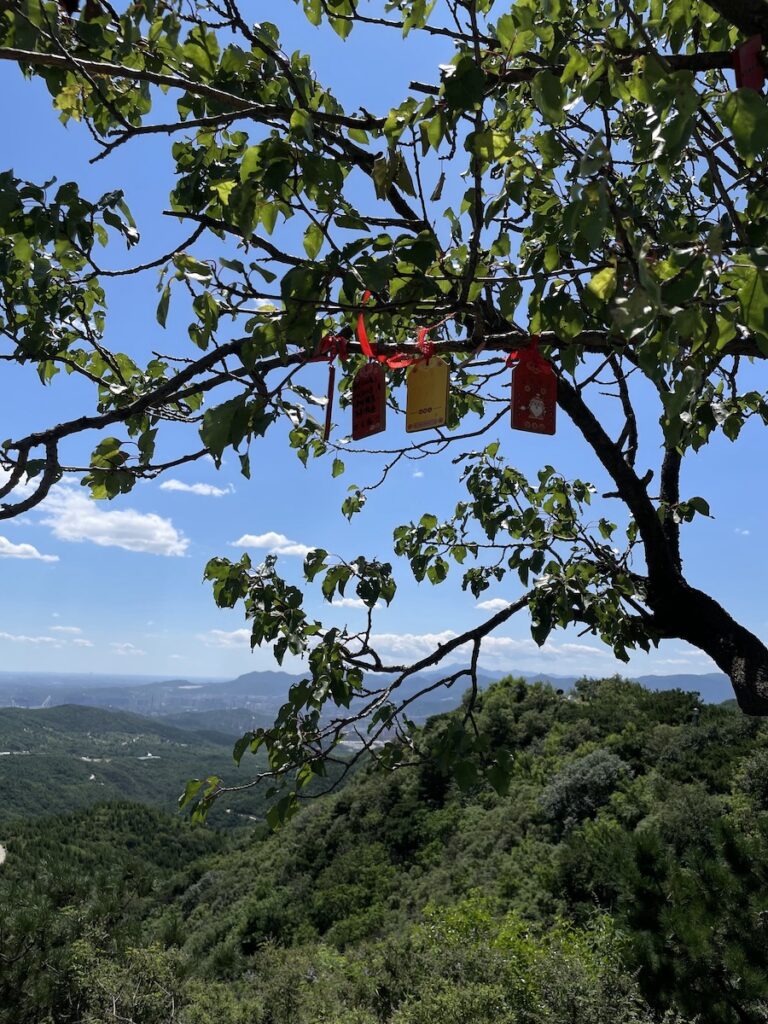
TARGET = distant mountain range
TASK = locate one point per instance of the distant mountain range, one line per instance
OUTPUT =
(252, 699)
(142, 740)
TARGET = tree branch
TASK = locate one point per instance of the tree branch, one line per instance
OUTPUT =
(238, 103)
(662, 570)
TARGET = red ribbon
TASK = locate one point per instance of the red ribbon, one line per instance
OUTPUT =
(362, 334)
(399, 359)
(426, 346)
(331, 346)
(529, 354)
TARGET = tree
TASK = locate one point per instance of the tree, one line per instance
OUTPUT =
(607, 201)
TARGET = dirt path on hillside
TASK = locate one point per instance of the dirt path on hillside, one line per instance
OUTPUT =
(2, 854)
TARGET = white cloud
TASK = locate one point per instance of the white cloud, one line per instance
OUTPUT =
(126, 649)
(418, 474)
(493, 604)
(742, 533)
(81, 642)
(20, 638)
(593, 652)
(274, 543)
(66, 629)
(351, 602)
(22, 490)
(221, 638)
(203, 490)
(496, 651)
(11, 550)
(410, 645)
(74, 517)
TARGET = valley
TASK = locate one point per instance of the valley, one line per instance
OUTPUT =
(402, 898)
(70, 756)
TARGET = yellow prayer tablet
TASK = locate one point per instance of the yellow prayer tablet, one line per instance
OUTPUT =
(426, 395)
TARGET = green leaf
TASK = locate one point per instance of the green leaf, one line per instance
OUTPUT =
(464, 85)
(746, 114)
(251, 163)
(162, 306)
(436, 130)
(301, 122)
(753, 298)
(314, 563)
(465, 774)
(338, 467)
(224, 425)
(603, 284)
(514, 39)
(313, 240)
(341, 26)
(700, 505)
(549, 96)
(191, 790)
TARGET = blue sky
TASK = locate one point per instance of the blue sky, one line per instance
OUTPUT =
(117, 586)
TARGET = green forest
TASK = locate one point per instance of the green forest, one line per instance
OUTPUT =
(63, 758)
(620, 876)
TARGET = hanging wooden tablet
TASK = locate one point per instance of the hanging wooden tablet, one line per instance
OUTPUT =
(369, 401)
(748, 62)
(426, 394)
(534, 393)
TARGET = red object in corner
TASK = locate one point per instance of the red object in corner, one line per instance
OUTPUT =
(747, 60)
(534, 392)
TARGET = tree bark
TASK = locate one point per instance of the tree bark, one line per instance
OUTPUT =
(689, 614)
(679, 610)
(751, 16)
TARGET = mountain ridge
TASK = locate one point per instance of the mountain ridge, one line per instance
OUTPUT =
(261, 692)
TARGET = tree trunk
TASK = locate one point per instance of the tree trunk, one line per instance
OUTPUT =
(691, 615)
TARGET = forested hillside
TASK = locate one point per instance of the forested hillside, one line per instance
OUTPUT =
(622, 876)
(59, 759)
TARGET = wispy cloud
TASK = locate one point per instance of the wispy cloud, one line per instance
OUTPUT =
(742, 533)
(203, 490)
(274, 543)
(80, 641)
(74, 517)
(417, 474)
(126, 650)
(10, 550)
(20, 638)
(493, 604)
(66, 629)
(496, 651)
(221, 638)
